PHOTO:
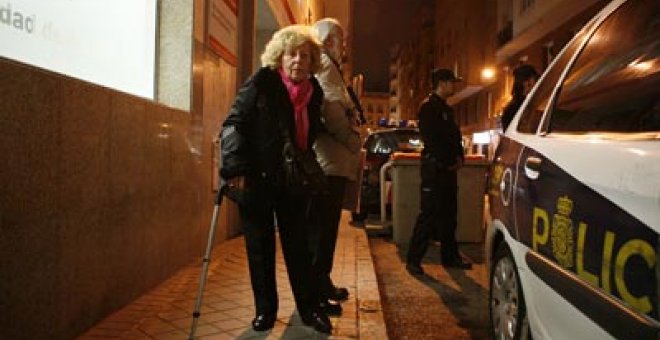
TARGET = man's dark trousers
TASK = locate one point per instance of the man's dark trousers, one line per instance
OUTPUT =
(439, 206)
(326, 213)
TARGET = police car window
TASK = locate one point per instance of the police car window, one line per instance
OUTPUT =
(614, 85)
(533, 112)
(380, 145)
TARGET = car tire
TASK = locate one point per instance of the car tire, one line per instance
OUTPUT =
(508, 315)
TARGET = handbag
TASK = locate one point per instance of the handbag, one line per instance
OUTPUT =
(303, 175)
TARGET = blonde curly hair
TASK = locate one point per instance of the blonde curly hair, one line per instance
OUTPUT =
(291, 37)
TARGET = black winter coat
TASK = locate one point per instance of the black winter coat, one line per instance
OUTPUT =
(251, 137)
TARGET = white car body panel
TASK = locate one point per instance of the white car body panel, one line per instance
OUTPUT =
(625, 172)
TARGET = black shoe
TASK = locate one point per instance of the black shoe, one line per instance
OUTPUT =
(337, 294)
(331, 309)
(263, 322)
(318, 321)
(457, 263)
(414, 269)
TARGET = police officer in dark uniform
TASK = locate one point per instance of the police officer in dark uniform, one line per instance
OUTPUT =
(441, 158)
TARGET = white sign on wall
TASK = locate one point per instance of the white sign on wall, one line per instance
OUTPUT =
(107, 42)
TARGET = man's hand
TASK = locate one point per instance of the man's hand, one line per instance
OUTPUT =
(457, 165)
(237, 182)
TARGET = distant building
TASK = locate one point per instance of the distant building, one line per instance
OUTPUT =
(410, 67)
(482, 41)
(376, 105)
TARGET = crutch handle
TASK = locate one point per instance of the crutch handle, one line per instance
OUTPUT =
(218, 197)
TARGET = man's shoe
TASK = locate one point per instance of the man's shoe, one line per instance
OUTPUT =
(263, 322)
(414, 268)
(318, 321)
(457, 263)
(337, 294)
(331, 309)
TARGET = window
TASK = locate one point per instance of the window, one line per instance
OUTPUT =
(614, 85)
(381, 146)
(533, 112)
(526, 4)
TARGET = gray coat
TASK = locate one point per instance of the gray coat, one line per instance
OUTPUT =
(338, 147)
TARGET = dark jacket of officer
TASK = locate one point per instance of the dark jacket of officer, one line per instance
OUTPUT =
(440, 134)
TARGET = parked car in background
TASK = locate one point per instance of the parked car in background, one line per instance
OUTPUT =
(574, 190)
(379, 146)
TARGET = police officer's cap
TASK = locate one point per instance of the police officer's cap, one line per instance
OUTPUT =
(443, 74)
(524, 72)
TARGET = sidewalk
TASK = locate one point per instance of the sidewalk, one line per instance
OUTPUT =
(228, 307)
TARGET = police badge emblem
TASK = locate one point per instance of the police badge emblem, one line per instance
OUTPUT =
(562, 233)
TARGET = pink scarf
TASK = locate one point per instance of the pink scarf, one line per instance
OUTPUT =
(300, 94)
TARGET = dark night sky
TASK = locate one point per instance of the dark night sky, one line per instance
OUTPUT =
(378, 25)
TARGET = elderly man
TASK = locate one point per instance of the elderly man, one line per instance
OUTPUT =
(338, 150)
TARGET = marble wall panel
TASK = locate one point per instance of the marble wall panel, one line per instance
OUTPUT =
(84, 248)
(101, 196)
(29, 212)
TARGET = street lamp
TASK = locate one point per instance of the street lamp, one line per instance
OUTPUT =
(487, 77)
(487, 74)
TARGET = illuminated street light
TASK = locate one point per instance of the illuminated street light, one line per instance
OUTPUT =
(488, 74)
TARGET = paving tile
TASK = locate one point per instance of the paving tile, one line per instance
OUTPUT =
(154, 327)
(216, 316)
(231, 324)
(135, 334)
(219, 336)
(174, 314)
(185, 323)
(103, 334)
(175, 335)
(207, 330)
(228, 305)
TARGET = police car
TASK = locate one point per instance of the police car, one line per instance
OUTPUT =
(574, 190)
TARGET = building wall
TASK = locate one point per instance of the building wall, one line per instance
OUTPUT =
(101, 199)
(376, 106)
(104, 195)
(529, 12)
(410, 66)
(466, 38)
(378, 26)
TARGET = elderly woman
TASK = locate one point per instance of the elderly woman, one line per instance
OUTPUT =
(281, 97)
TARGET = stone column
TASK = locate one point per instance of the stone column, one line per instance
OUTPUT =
(174, 53)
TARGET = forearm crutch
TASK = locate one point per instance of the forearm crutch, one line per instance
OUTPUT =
(205, 265)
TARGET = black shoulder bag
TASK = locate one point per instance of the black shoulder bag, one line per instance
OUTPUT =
(303, 175)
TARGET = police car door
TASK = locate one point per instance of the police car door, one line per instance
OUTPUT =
(589, 184)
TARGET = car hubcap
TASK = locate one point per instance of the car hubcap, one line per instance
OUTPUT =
(504, 299)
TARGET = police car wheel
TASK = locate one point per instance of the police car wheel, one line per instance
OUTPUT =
(507, 304)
